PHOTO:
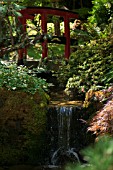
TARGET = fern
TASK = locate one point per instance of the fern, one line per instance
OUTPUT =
(109, 76)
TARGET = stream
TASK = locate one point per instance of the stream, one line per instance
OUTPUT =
(66, 136)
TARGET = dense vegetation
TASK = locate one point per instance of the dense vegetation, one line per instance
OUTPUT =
(100, 156)
(89, 69)
(20, 78)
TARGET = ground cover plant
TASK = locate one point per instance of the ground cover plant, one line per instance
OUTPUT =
(20, 78)
(93, 63)
(99, 156)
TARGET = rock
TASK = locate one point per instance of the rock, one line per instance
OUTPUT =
(1, 103)
(21, 167)
(1, 168)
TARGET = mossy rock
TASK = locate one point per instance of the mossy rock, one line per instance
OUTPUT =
(22, 125)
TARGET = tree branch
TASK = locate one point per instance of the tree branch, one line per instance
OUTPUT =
(26, 43)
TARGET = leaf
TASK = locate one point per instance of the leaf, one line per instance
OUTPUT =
(18, 7)
(1, 9)
(17, 14)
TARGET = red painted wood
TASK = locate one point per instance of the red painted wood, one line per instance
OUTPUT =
(44, 30)
(67, 35)
(48, 10)
(28, 16)
(28, 13)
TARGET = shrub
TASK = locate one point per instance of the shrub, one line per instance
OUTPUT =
(20, 78)
(101, 8)
(90, 67)
(99, 156)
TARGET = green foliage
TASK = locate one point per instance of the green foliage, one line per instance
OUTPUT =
(93, 63)
(88, 67)
(34, 52)
(34, 2)
(83, 12)
(56, 52)
(10, 27)
(5, 4)
(100, 156)
(81, 36)
(108, 78)
(20, 78)
(101, 8)
(12, 35)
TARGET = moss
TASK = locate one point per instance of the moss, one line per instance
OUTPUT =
(22, 125)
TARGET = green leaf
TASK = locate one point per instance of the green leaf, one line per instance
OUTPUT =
(1, 9)
(17, 14)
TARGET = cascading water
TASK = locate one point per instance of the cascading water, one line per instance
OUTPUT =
(64, 116)
(65, 129)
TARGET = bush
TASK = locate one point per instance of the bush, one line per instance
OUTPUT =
(90, 67)
(101, 8)
(99, 156)
(20, 78)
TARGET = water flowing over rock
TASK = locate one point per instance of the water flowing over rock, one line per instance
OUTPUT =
(67, 134)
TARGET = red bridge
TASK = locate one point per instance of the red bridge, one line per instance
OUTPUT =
(29, 12)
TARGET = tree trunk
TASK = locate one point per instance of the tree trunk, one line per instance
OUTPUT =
(81, 4)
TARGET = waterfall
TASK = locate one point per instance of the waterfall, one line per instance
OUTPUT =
(65, 129)
(64, 116)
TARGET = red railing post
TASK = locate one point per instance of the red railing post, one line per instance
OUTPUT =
(67, 35)
(44, 31)
(29, 12)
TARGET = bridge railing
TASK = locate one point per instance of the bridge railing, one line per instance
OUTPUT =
(28, 13)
